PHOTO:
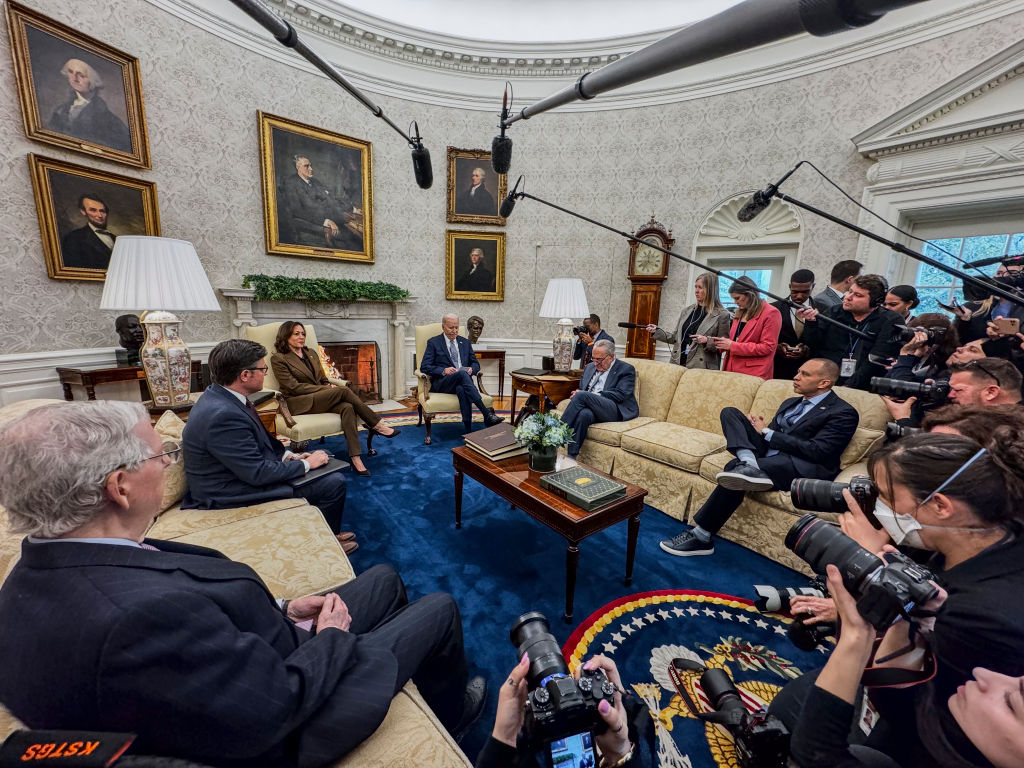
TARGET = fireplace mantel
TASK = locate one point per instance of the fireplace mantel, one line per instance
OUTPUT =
(361, 320)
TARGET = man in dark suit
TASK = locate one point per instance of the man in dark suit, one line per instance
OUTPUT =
(313, 214)
(841, 279)
(476, 200)
(449, 361)
(85, 114)
(791, 352)
(585, 341)
(89, 247)
(805, 439)
(478, 277)
(230, 458)
(176, 642)
(606, 393)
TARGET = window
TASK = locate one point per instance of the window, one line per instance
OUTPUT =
(934, 286)
(766, 269)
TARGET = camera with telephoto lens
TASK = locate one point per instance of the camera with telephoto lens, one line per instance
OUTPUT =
(884, 589)
(578, 330)
(936, 333)
(895, 430)
(761, 740)
(807, 637)
(557, 705)
(928, 393)
(827, 496)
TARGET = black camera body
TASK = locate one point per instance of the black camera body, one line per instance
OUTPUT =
(936, 333)
(884, 589)
(827, 496)
(895, 430)
(927, 393)
(557, 705)
(579, 329)
(807, 637)
(762, 741)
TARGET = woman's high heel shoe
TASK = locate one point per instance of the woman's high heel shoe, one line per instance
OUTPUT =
(395, 432)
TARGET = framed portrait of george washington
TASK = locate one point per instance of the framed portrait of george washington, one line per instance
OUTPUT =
(475, 266)
(82, 211)
(77, 92)
(475, 191)
(317, 191)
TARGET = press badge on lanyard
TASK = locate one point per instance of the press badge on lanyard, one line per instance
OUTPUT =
(848, 366)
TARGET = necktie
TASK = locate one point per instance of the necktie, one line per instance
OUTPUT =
(794, 415)
(798, 325)
(453, 353)
(144, 545)
(593, 381)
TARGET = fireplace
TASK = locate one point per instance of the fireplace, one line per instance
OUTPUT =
(358, 362)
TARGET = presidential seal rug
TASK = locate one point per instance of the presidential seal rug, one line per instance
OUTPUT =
(644, 632)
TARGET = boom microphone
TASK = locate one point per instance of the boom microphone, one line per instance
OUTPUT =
(501, 146)
(763, 197)
(630, 325)
(1006, 261)
(421, 167)
(509, 202)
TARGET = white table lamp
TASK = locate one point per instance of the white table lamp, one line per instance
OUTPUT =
(564, 299)
(160, 275)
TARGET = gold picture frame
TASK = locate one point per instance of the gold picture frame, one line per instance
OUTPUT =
(480, 207)
(311, 177)
(75, 91)
(484, 283)
(73, 202)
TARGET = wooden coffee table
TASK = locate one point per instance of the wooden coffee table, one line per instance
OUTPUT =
(516, 483)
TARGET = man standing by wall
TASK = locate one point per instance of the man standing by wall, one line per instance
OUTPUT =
(840, 280)
(605, 394)
(791, 351)
(585, 341)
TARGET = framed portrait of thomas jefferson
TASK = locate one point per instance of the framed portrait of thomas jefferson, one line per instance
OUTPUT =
(475, 191)
(475, 266)
(82, 212)
(76, 92)
(317, 191)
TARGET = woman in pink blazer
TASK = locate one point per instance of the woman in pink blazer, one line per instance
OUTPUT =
(750, 346)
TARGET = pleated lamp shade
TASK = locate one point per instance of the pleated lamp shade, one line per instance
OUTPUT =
(564, 297)
(156, 273)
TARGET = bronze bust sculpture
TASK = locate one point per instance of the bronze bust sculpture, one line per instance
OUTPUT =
(474, 326)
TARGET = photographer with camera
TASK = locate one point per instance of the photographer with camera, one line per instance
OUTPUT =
(949, 495)
(586, 335)
(930, 341)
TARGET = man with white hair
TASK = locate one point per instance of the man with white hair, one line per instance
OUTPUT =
(449, 361)
(107, 630)
(311, 213)
(478, 278)
(477, 201)
(85, 115)
(606, 393)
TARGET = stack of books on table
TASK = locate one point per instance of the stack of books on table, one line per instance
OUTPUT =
(583, 488)
(496, 443)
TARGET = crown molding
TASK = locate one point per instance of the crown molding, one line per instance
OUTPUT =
(390, 59)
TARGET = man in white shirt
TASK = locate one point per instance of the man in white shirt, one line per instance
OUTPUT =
(606, 393)
(840, 281)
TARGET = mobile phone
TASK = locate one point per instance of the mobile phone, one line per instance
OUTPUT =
(1007, 326)
(576, 751)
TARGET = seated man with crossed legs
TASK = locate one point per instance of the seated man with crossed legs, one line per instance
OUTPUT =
(606, 393)
(805, 439)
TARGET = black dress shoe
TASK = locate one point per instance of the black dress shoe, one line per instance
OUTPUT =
(395, 432)
(744, 477)
(473, 705)
(361, 472)
(491, 418)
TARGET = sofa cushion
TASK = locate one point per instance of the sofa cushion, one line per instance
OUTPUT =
(177, 522)
(770, 396)
(610, 432)
(863, 442)
(873, 413)
(170, 427)
(701, 395)
(672, 444)
(656, 384)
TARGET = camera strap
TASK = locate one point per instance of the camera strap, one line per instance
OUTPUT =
(898, 677)
(732, 717)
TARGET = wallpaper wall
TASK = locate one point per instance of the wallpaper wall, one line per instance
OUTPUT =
(676, 162)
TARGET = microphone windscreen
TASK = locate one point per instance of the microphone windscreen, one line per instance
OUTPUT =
(757, 203)
(507, 205)
(501, 154)
(421, 167)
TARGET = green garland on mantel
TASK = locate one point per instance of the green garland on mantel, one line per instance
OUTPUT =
(281, 288)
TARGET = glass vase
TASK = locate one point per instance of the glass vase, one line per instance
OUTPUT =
(543, 457)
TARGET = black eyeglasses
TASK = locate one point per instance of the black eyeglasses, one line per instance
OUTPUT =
(171, 449)
(263, 368)
(981, 367)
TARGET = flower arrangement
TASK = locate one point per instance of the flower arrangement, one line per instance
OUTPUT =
(543, 430)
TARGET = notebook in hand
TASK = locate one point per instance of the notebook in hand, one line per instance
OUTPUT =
(332, 465)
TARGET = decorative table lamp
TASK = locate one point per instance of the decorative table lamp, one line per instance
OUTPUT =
(564, 299)
(161, 275)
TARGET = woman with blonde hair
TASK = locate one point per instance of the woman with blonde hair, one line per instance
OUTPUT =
(754, 334)
(698, 323)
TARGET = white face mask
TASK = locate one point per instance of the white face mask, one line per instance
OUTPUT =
(902, 529)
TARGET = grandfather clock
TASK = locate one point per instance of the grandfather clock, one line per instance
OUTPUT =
(648, 268)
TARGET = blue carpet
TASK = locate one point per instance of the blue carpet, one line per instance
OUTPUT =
(502, 563)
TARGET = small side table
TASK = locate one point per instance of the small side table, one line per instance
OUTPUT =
(499, 355)
(90, 377)
(550, 388)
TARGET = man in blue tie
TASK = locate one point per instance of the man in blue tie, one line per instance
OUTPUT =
(449, 361)
(805, 439)
(606, 393)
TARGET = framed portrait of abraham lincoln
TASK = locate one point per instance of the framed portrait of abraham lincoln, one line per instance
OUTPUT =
(77, 92)
(82, 211)
(317, 191)
(475, 191)
(475, 266)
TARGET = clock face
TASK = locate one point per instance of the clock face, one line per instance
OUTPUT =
(648, 261)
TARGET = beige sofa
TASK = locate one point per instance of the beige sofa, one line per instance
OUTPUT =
(675, 447)
(291, 547)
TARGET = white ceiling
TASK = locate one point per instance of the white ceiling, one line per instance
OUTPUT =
(534, 21)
